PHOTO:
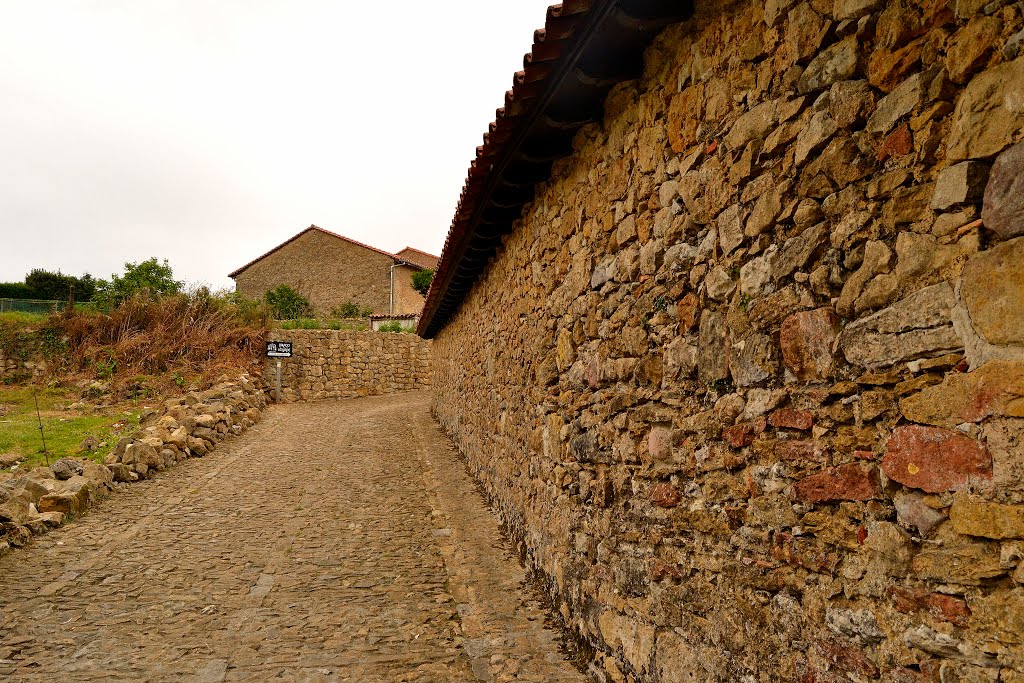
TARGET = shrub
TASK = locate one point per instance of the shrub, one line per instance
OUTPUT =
(393, 326)
(56, 286)
(249, 311)
(301, 324)
(350, 309)
(287, 304)
(421, 280)
(16, 290)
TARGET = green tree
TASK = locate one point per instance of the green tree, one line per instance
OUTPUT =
(421, 280)
(56, 286)
(150, 277)
(287, 304)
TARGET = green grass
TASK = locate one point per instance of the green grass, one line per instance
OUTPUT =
(22, 318)
(65, 429)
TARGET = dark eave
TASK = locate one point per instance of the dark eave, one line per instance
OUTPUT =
(584, 49)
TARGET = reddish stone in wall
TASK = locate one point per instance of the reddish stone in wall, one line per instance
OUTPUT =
(788, 418)
(945, 607)
(742, 435)
(935, 459)
(688, 313)
(807, 339)
(846, 656)
(897, 144)
(665, 495)
(852, 481)
(951, 609)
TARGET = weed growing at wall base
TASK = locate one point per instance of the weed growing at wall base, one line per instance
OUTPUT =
(393, 326)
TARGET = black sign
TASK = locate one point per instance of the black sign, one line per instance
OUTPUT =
(279, 349)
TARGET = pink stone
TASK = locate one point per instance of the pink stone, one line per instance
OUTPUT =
(659, 443)
(800, 451)
(934, 459)
(807, 339)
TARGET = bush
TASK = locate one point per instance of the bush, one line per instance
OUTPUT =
(301, 324)
(393, 326)
(351, 310)
(57, 286)
(249, 311)
(16, 290)
(421, 280)
(287, 304)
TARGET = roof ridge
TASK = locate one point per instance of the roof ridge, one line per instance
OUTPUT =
(303, 232)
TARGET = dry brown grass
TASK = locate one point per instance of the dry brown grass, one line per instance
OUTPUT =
(178, 336)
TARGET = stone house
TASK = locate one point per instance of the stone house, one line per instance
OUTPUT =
(730, 326)
(419, 258)
(332, 270)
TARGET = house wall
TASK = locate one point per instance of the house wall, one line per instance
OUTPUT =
(330, 364)
(327, 270)
(745, 381)
(407, 299)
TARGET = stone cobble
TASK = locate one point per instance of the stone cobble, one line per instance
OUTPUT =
(333, 542)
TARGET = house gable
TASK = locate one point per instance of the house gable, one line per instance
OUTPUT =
(328, 269)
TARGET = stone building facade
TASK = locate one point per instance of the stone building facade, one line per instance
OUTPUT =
(330, 364)
(746, 380)
(331, 270)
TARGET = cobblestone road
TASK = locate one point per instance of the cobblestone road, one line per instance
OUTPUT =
(336, 541)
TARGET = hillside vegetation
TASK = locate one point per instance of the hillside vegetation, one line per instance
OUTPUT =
(94, 372)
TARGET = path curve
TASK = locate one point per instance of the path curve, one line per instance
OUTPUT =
(336, 541)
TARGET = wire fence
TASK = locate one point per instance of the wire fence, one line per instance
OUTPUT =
(38, 306)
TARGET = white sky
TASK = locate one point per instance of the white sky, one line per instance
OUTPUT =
(209, 131)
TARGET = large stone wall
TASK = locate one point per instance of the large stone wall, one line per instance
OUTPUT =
(341, 364)
(746, 380)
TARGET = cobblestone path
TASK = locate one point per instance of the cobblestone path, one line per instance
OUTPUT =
(336, 541)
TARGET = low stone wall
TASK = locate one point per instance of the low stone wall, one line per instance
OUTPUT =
(33, 501)
(14, 369)
(340, 364)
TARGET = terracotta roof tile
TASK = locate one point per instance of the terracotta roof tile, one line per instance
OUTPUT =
(585, 47)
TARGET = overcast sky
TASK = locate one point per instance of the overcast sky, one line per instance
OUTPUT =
(207, 132)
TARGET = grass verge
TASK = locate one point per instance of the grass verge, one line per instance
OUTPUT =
(65, 429)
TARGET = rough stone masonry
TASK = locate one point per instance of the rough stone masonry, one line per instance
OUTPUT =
(747, 379)
(342, 364)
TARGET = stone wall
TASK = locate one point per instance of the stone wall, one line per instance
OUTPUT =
(16, 369)
(340, 364)
(747, 379)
